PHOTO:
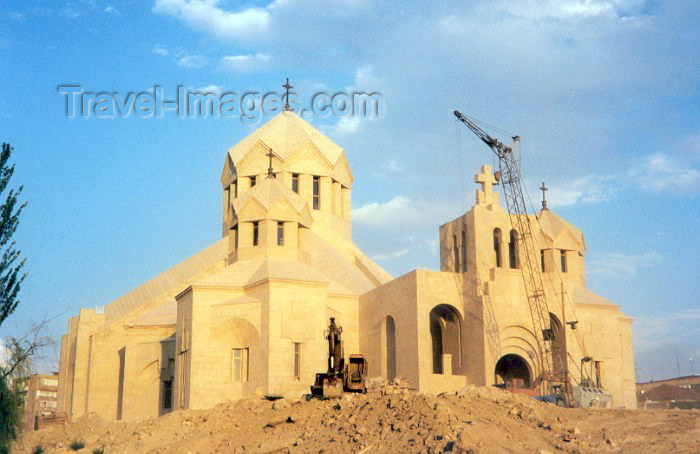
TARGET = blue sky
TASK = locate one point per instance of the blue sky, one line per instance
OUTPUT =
(605, 94)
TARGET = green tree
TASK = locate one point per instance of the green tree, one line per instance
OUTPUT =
(11, 278)
(10, 414)
(11, 275)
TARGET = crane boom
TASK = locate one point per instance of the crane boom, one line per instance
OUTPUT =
(527, 252)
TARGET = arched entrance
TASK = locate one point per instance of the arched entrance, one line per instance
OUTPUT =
(446, 335)
(511, 367)
(390, 348)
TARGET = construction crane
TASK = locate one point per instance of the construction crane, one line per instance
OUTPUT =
(551, 379)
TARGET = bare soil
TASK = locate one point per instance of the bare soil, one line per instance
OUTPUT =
(388, 419)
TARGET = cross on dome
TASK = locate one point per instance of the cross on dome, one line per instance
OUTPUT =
(287, 86)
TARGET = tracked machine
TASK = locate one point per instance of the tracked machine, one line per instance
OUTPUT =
(339, 377)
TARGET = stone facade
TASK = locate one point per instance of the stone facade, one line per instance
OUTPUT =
(246, 315)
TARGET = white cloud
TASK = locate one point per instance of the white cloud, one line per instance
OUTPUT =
(365, 82)
(71, 11)
(192, 61)
(400, 211)
(159, 49)
(569, 9)
(661, 172)
(244, 63)
(652, 332)
(589, 189)
(391, 255)
(348, 125)
(112, 10)
(620, 266)
(216, 89)
(207, 16)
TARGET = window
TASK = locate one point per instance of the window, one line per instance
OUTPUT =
(455, 252)
(239, 365)
(255, 233)
(542, 260)
(297, 361)
(562, 253)
(497, 246)
(168, 394)
(317, 193)
(280, 234)
(464, 250)
(234, 232)
(253, 180)
(235, 189)
(49, 382)
(512, 249)
(295, 182)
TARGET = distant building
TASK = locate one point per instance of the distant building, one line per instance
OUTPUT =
(688, 381)
(669, 396)
(41, 401)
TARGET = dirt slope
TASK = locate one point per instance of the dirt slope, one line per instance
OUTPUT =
(386, 420)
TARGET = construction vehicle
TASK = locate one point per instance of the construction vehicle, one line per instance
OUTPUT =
(339, 376)
(554, 383)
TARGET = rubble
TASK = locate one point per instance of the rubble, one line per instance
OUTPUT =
(389, 418)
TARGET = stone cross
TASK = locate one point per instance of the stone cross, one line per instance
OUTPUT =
(287, 86)
(485, 195)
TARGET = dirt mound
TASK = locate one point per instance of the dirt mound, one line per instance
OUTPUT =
(387, 419)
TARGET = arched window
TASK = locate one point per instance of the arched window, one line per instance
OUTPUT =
(446, 336)
(464, 250)
(497, 246)
(455, 252)
(513, 249)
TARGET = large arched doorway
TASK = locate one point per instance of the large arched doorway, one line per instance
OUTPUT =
(446, 335)
(511, 367)
(390, 348)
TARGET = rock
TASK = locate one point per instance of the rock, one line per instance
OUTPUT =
(464, 391)
(544, 451)
(280, 404)
(576, 431)
(293, 418)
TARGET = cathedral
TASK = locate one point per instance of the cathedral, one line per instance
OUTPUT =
(245, 316)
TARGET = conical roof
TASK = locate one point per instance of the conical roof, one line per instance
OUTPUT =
(563, 234)
(268, 193)
(285, 134)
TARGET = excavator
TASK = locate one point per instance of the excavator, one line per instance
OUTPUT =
(339, 377)
(554, 383)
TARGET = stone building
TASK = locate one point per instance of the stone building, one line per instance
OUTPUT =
(41, 401)
(245, 316)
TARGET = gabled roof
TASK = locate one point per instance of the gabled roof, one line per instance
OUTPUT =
(268, 194)
(558, 230)
(285, 134)
(584, 296)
